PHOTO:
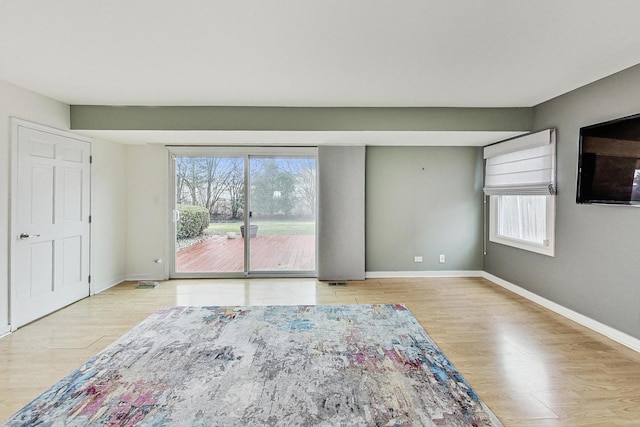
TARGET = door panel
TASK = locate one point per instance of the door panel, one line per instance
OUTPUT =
(71, 268)
(214, 185)
(50, 226)
(40, 210)
(41, 268)
(72, 195)
(282, 205)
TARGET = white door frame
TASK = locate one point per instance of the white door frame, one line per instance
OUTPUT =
(245, 152)
(13, 231)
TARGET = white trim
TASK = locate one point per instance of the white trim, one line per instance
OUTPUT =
(174, 216)
(549, 249)
(138, 277)
(15, 122)
(15, 125)
(609, 332)
(434, 273)
(98, 289)
(242, 151)
(5, 331)
(246, 153)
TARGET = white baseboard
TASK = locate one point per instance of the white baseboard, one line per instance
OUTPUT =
(97, 288)
(607, 331)
(138, 277)
(5, 330)
(434, 273)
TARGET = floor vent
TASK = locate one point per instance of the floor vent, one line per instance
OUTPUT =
(146, 284)
(337, 283)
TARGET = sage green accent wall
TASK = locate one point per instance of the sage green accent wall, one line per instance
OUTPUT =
(423, 201)
(596, 270)
(95, 117)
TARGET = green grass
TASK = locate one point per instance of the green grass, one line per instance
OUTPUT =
(268, 228)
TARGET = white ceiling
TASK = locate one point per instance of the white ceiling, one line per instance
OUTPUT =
(403, 53)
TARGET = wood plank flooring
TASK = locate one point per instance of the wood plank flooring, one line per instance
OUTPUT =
(268, 253)
(532, 367)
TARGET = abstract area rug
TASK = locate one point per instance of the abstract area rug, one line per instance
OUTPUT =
(352, 365)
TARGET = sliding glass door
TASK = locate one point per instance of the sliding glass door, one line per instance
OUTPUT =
(239, 214)
(282, 199)
(209, 214)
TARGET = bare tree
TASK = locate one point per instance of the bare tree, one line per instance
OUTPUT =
(216, 174)
(235, 186)
(181, 175)
(207, 181)
(187, 176)
(306, 185)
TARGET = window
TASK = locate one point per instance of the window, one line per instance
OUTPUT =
(525, 222)
(520, 180)
(635, 189)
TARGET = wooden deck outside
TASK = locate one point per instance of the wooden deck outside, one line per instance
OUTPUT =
(268, 253)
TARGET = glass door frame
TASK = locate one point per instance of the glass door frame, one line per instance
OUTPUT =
(246, 153)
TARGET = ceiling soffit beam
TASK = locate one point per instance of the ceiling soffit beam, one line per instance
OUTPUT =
(177, 118)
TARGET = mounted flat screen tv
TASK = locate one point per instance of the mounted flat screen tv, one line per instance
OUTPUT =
(609, 162)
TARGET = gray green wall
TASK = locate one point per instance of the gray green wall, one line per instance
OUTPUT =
(414, 212)
(299, 118)
(423, 201)
(596, 270)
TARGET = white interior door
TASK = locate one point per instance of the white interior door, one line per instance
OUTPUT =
(50, 222)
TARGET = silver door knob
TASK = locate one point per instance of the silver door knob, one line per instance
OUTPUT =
(24, 236)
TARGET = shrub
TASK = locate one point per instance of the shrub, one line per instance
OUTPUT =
(193, 220)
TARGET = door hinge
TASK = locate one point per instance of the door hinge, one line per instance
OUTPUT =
(89, 219)
(89, 279)
(90, 159)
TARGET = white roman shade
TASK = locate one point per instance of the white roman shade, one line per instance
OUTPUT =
(522, 166)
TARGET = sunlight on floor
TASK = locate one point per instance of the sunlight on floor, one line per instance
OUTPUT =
(525, 370)
(247, 292)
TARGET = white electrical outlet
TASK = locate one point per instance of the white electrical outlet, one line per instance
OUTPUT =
(441, 259)
(417, 259)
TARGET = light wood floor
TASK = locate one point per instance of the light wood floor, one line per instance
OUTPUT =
(531, 366)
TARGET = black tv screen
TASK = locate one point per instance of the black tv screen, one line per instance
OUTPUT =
(609, 162)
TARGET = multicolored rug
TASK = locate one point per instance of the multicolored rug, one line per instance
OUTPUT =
(354, 365)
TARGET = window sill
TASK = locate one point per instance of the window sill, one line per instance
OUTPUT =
(524, 245)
